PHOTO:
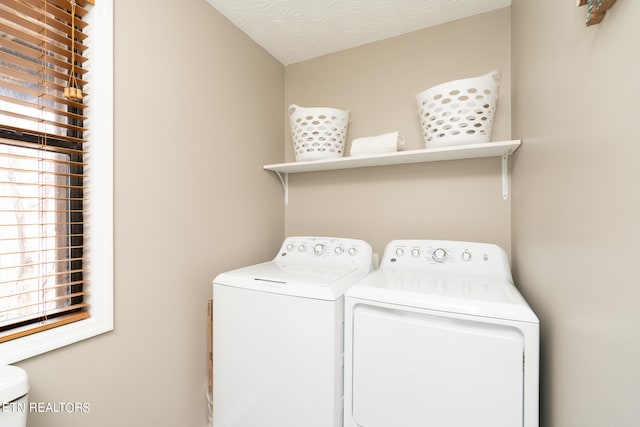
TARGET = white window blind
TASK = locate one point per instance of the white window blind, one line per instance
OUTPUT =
(42, 283)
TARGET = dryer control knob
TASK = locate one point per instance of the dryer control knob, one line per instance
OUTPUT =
(415, 252)
(302, 248)
(399, 251)
(352, 251)
(466, 256)
(318, 249)
(339, 250)
(439, 255)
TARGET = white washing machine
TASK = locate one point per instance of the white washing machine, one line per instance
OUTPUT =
(278, 335)
(440, 336)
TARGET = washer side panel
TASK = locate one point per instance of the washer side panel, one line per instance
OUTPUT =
(277, 359)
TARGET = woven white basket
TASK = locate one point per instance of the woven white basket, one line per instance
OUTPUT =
(459, 112)
(318, 132)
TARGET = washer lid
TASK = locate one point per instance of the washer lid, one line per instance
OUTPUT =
(471, 295)
(325, 282)
(13, 383)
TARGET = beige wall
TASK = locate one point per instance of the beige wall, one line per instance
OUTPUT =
(198, 111)
(576, 205)
(378, 82)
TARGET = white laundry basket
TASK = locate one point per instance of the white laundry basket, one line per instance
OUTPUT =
(318, 132)
(459, 112)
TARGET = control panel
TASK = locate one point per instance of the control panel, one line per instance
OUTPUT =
(325, 250)
(446, 256)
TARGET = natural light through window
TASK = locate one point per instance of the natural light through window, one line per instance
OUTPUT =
(56, 174)
(34, 236)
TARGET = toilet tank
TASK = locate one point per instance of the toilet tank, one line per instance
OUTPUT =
(14, 387)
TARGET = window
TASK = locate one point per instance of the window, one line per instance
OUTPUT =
(55, 174)
(41, 239)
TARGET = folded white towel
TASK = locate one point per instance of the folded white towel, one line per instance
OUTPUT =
(385, 143)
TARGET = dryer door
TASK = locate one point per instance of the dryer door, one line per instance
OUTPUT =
(419, 369)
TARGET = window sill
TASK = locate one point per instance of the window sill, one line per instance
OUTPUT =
(33, 345)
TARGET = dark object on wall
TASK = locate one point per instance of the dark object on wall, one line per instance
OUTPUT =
(596, 10)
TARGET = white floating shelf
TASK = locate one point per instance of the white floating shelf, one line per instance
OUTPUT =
(501, 149)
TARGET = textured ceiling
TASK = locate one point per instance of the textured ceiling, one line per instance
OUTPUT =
(296, 30)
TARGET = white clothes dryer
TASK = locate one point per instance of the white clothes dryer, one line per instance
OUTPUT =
(278, 335)
(440, 336)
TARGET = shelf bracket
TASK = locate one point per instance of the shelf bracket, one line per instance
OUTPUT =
(284, 180)
(505, 176)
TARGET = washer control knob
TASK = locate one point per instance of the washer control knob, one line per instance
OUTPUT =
(352, 251)
(466, 256)
(439, 255)
(290, 247)
(399, 251)
(318, 249)
(415, 252)
(339, 250)
(302, 248)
